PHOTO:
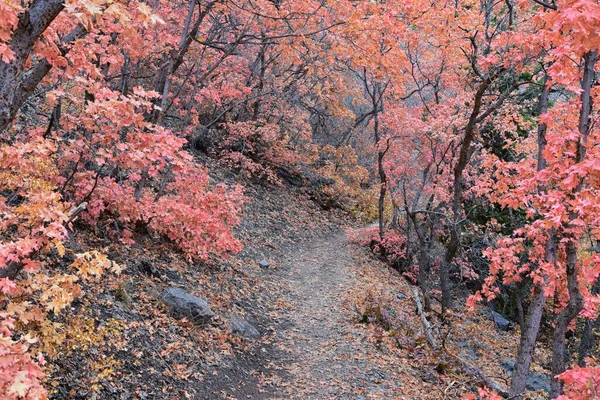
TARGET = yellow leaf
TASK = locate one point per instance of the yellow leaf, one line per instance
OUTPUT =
(59, 248)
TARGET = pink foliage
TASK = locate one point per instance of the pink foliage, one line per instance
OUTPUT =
(20, 372)
(137, 173)
(581, 383)
(393, 245)
(256, 149)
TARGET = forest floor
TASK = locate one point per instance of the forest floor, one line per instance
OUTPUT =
(325, 360)
(335, 322)
(314, 351)
(318, 355)
(320, 347)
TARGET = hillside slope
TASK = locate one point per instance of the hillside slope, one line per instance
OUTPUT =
(334, 322)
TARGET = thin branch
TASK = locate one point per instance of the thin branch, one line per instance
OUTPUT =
(547, 5)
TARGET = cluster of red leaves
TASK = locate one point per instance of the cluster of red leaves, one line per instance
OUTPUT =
(133, 172)
(392, 246)
(257, 149)
(20, 372)
(581, 383)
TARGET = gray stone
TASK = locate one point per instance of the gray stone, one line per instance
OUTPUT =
(400, 296)
(148, 268)
(469, 352)
(240, 326)
(501, 323)
(535, 381)
(264, 263)
(508, 365)
(182, 304)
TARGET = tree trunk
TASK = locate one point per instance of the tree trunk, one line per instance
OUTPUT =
(531, 327)
(382, 188)
(559, 356)
(262, 69)
(172, 62)
(424, 268)
(426, 325)
(376, 98)
(15, 85)
(519, 299)
(126, 75)
(527, 342)
(575, 305)
(457, 195)
(588, 339)
(445, 279)
(425, 245)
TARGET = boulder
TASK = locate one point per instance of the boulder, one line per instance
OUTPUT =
(241, 327)
(501, 323)
(264, 263)
(400, 295)
(182, 304)
(508, 365)
(535, 381)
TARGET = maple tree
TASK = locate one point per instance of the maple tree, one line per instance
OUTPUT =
(553, 195)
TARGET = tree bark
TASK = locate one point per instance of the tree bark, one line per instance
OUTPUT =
(262, 69)
(575, 305)
(426, 325)
(375, 94)
(425, 244)
(382, 175)
(172, 63)
(14, 88)
(531, 327)
(588, 339)
(527, 342)
(457, 195)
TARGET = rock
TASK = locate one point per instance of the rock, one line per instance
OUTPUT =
(183, 304)
(240, 326)
(535, 381)
(264, 263)
(508, 365)
(148, 268)
(289, 175)
(400, 296)
(469, 352)
(501, 323)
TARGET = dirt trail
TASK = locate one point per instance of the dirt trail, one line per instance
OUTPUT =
(322, 359)
(314, 349)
